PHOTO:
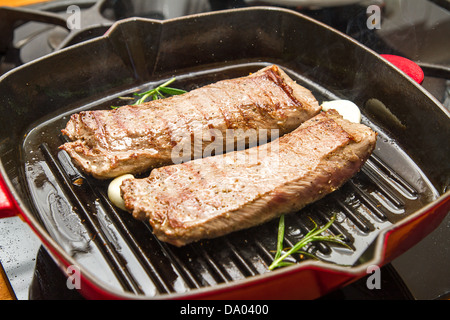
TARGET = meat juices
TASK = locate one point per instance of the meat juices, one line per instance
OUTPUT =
(214, 196)
(135, 139)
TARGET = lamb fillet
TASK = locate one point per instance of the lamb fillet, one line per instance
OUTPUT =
(213, 196)
(134, 139)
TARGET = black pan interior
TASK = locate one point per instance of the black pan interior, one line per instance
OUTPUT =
(400, 178)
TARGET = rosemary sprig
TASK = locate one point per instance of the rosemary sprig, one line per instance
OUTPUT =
(156, 93)
(312, 236)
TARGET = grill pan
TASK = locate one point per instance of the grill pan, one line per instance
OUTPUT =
(397, 199)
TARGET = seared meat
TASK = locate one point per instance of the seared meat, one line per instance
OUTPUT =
(134, 139)
(213, 196)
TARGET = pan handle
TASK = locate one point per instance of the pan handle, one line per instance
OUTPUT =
(7, 206)
(409, 67)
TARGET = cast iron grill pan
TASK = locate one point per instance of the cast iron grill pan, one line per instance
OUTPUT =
(124, 253)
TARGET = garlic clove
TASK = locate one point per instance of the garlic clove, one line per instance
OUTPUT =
(114, 191)
(347, 109)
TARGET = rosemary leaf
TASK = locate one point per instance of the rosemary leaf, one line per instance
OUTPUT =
(172, 91)
(312, 236)
(280, 237)
(156, 93)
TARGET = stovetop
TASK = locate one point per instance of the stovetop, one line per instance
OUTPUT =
(415, 29)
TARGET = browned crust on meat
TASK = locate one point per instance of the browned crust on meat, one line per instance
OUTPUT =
(214, 196)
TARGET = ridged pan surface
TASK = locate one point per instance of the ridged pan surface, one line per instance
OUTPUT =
(406, 172)
(124, 252)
